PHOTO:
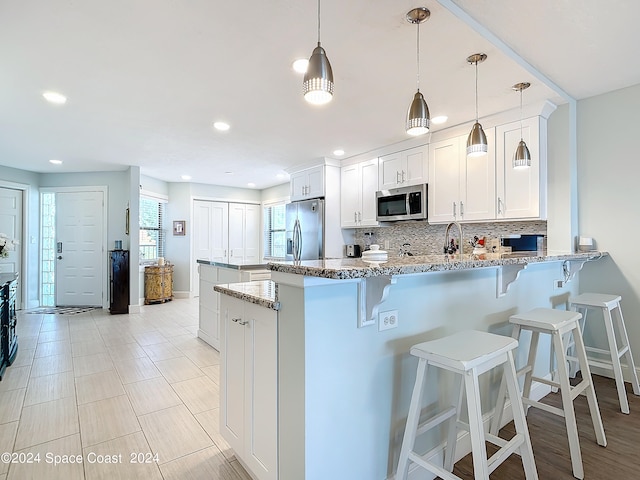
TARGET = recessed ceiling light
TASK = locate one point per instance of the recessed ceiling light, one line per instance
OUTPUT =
(228, 173)
(222, 126)
(185, 177)
(56, 162)
(338, 153)
(301, 65)
(440, 119)
(251, 184)
(55, 97)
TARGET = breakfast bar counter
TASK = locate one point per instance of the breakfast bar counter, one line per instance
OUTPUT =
(345, 374)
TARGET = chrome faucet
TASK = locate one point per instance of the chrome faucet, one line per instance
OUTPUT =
(447, 246)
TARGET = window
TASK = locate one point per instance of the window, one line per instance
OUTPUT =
(274, 230)
(151, 232)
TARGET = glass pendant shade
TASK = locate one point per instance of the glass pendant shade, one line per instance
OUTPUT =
(522, 157)
(476, 141)
(418, 116)
(318, 80)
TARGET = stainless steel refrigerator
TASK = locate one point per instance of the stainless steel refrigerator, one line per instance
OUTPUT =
(305, 229)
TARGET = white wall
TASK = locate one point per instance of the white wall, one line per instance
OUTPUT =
(609, 198)
(279, 192)
(31, 251)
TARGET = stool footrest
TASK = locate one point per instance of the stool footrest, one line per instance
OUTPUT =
(501, 455)
(524, 370)
(543, 406)
(597, 350)
(546, 381)
(436, 420)
(578, 389)
(439, 471)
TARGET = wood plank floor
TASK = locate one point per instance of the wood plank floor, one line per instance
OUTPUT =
(620, 459)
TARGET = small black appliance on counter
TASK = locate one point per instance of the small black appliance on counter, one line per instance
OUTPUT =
(353, 251)
(524, 243)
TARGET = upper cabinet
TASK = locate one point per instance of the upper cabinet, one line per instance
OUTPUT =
(461, 188)
(401, 169)
(359, 183)
(521, 192)
(308, 183)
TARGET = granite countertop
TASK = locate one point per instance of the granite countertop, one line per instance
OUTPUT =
(261, 292)
(235, 265)
(346, 268)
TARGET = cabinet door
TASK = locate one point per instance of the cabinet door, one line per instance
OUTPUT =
(315, 182)
(237, 222)
(298, 186)
(209, 306)
(261, 394)
(478, 182)
(390, 171)
(350, 200)
(415, 166)
(232, 373)
(518, 188)
(252, 234)
(219, 231)
(369, 179)
(444, 187)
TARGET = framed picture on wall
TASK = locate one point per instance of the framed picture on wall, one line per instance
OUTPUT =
(179, 227)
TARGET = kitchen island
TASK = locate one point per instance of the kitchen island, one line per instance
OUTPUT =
(345, 375)
(213, 273)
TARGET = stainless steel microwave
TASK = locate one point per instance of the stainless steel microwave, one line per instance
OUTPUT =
(405, 203)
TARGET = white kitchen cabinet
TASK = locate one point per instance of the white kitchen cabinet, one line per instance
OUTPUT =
(521, 192)
(461, 188)
(244, 233)
(308, 183)
(401, 169)
(211, 230)
(249, 385)
(209, 302)
(359, 183)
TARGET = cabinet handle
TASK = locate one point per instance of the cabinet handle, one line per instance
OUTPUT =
(461, 209)
(355, 217)
(499, 206)
(454, 210)
(239, 321)
(403, 180)
(398, 179)
(359, 217)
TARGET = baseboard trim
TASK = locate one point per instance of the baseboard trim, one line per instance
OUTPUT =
(463, 446)
(181, 294)
(605, 372)
(135, 309)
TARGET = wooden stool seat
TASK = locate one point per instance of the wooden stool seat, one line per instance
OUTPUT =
(559, 324)
(613, 320)
(468, 354)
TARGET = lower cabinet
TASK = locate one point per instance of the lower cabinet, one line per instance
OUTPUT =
(8, 337)
(249, 384)
(209, 304)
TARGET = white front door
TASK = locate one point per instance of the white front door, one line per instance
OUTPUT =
(79, 248)
(11, 225)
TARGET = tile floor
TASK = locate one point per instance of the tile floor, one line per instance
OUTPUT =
(99, 396)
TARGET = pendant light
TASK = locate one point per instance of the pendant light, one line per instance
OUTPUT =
(418, 117)
(522, 157)
(477, 140)
(318, 79)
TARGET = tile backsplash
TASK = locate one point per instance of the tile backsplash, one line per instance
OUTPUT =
(426, 239)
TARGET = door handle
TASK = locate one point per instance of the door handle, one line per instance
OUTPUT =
(59, 257)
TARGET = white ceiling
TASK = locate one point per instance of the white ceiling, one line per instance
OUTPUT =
(145, 79)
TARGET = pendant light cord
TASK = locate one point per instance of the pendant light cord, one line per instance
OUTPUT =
(318, 22)
(521, 113)
(476, 62)
(418, 57)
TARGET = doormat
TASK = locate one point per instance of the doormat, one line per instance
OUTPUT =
(62, 310)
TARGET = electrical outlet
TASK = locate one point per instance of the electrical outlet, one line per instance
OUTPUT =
(387, 320)
(386, 244)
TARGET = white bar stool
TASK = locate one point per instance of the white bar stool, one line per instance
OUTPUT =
(469, 354)
(559, 324)
(610, 305)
